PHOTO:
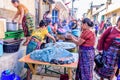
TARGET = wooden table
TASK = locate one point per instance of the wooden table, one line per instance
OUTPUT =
(29, 61)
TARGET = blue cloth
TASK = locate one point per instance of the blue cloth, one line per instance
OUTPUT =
(96, 27)
(53, 55)
(67, 28)
(76, 32)
(71, 24)
(49, 29)
(31, 46)
(64, 45)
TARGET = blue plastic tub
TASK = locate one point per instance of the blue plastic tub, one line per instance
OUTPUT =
(8, 75)
(1, 48)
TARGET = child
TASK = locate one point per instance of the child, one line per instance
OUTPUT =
(36, 40)
(25, 19)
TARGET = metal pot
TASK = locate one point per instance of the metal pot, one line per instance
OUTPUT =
(12, 26)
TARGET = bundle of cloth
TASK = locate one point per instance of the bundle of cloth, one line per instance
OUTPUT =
(53, 55)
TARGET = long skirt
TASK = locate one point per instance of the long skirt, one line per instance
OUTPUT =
(32, 45)
(27, 25)
(85, 63)
(110, 60)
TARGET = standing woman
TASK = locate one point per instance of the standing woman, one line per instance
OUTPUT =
(86, 51)
(109, 44)
(24, 19)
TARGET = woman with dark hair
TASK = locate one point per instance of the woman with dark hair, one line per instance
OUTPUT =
(55, 27)
(49, 27)
(36, 40)
(86, 51)
(109, 44)
(25, 19)
(47, 15)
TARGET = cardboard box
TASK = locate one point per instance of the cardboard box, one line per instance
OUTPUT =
(2, 28)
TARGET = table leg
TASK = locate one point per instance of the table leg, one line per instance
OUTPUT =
(70, 73)
(33, 69)
(64, 70)
(45, 69)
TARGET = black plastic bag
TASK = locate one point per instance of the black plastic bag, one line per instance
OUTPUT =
(98, 60)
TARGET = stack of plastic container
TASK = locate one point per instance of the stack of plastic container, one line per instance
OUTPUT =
(9, 75)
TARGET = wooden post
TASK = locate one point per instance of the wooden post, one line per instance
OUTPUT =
(50, 8)
(32, 68)
(70, 73)
(41, 9)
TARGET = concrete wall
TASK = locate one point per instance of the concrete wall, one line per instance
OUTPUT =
(10, 61)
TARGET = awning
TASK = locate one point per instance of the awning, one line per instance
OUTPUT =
(99, 10)
(113, 8)
(61, 5)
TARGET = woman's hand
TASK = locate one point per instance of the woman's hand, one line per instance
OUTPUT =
(13, 20)
(69, 36)
(50, 36)
(100, 52)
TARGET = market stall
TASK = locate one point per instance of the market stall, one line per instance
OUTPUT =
(29, 61)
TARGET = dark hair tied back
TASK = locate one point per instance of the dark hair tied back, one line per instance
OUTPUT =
(42, 23)
(13, 1)
(88, 22)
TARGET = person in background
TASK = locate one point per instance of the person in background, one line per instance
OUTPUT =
(35, 41)
(24, 19)
(67, 28)
(75, 29)
(54, 28)
(101, 27)
(96, 29)
(86, 44)
(50, 31)
(47, 15)
(109, 45)
(107, 24)
(49, 26)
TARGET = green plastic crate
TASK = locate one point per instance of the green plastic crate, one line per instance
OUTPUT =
(14, 34)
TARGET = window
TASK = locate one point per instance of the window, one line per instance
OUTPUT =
(54, 16)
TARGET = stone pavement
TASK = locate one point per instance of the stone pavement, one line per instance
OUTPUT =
(41, 75)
